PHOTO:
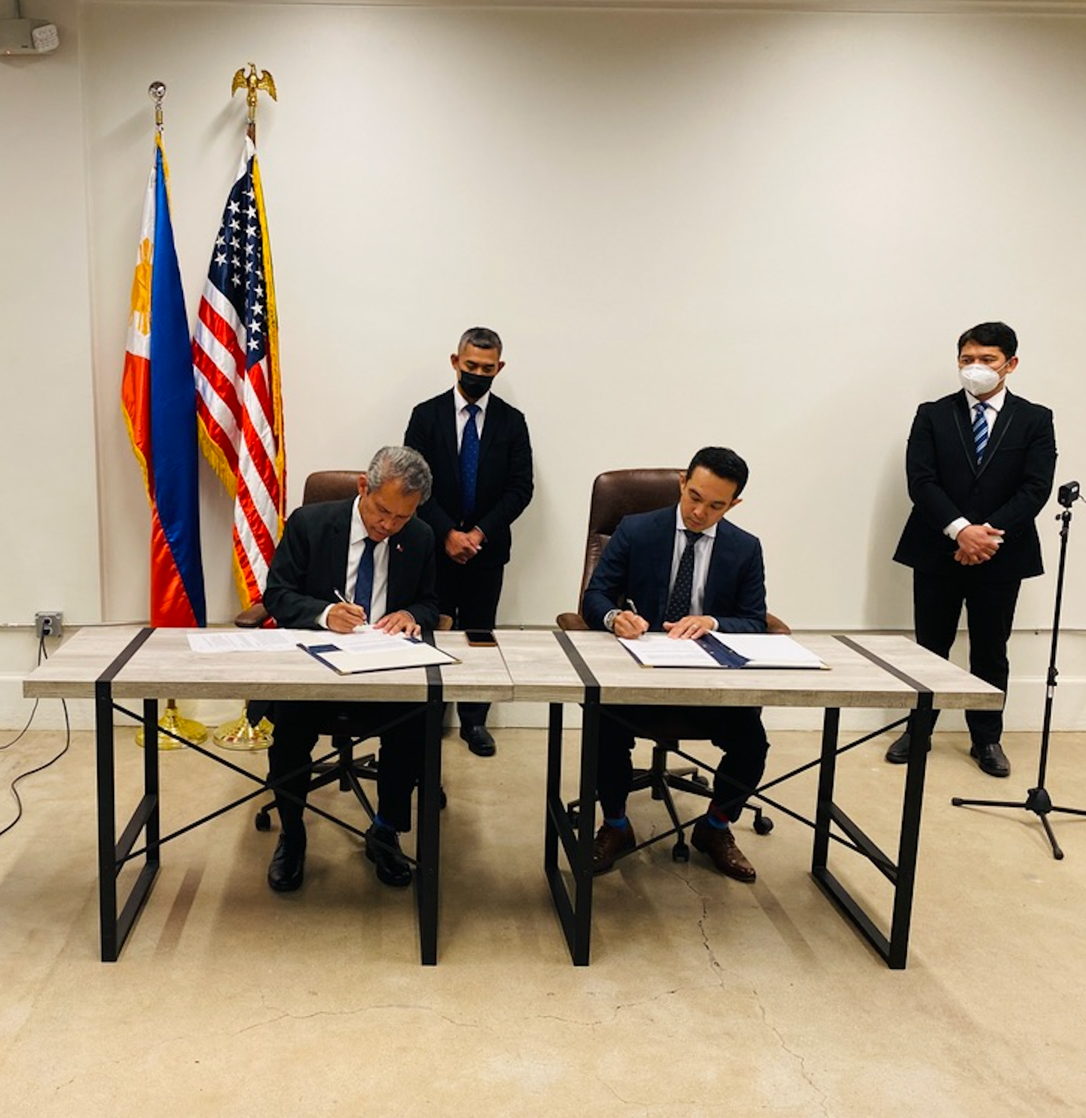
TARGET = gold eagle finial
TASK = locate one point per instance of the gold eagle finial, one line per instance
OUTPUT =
(253, 81)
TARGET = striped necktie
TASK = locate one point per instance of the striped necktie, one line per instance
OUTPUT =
(980, 430)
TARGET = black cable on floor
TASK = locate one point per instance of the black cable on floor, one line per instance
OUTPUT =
(42, 655)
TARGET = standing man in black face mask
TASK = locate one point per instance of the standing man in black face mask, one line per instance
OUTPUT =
(478, 449)
(979, 464)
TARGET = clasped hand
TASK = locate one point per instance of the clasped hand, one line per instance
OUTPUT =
(977, 543)
(462, 546)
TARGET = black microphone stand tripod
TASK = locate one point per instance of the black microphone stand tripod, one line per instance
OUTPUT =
(1037, 799)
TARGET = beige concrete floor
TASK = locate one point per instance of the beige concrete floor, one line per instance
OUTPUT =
(704, 996)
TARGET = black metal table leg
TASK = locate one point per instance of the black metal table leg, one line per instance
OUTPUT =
(909, 844)
(429, 843)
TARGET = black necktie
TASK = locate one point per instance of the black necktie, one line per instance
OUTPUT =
(678, 602)
(363, 585)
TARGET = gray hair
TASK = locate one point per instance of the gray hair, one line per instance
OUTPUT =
(401, 463)
(482, 337)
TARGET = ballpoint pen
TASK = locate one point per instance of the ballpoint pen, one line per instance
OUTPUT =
(338, 593)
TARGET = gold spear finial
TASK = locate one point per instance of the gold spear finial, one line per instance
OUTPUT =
(253, 81)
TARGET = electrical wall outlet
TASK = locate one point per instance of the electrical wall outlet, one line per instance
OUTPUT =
(48, 623)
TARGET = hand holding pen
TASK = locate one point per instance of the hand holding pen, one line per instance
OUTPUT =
(346, 616)
(629, 623)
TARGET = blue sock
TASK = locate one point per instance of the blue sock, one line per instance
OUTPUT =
(619, 823)
(715, 820)
(378, 821)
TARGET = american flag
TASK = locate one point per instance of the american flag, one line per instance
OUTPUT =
(235, 351)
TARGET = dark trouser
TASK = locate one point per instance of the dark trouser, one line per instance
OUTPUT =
(469, 594)
(399, 764)
(736, 730)
(989, 611)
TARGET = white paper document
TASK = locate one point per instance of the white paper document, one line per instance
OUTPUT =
(720, 650)
(768, 650)
(247, 640)
(658, 650)
(365, 650)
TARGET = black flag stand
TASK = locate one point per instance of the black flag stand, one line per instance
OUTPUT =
(1037, 799)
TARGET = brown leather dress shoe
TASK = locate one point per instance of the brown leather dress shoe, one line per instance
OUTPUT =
(611, 844)
(719, 844)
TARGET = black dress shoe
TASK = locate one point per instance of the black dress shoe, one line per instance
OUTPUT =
(898, 753)
(287, 868)
(383, 850)
(479, 740)
(991, 759)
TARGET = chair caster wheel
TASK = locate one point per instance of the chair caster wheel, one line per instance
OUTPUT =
(263, 820)
(700, 778)
(680, 852)
(573, 814)
(762, 825)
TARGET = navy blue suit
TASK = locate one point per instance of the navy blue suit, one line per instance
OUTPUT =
(1007, 489)
(308, 568)
(637, 564)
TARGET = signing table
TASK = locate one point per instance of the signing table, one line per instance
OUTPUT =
(880, 672)
(112, 664)
(589, 669)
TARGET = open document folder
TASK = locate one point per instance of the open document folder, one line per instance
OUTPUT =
(720, 650)
(370, 650)
(364, 650)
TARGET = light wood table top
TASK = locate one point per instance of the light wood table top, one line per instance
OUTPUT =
(165, 667)
(541, 671)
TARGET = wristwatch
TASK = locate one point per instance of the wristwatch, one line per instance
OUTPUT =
(609, 619)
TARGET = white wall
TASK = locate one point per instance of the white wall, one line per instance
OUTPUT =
(690, 227)
(48, 473)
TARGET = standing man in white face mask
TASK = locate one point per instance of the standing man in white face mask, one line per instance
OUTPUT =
(979, 465)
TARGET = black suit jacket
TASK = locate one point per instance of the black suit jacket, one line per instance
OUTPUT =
(1007, 489)
(504, 485)
(311, 560)
(637, 564)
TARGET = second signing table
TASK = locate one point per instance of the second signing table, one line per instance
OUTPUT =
(112, 665)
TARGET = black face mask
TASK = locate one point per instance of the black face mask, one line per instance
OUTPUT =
(473, 385)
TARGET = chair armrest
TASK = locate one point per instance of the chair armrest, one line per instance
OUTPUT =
(572, 623)
(444, 623)
(252, 618)
(776, 625)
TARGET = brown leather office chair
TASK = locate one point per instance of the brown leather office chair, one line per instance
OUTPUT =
(615, 494)
(346, 769)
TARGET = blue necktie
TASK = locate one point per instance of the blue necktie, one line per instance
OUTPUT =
(363, 586)
(678, 602)
(980, 430)
(469, 466)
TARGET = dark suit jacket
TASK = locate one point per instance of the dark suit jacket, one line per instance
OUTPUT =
(310, 563)
(504, 485)
(637, 564)
(1007, 489)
